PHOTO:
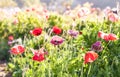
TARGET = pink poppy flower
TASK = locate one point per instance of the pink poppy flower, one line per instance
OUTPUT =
(113, 17)
(56, 40)
(101, 34)
(97, 46)
(73, 33)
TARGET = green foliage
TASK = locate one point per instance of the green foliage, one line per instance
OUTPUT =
(65, 60)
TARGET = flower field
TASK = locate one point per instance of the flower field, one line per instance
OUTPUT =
(80, 42)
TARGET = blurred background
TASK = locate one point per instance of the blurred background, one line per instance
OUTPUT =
(56, 3)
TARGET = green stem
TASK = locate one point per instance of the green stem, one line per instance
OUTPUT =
(82, 70)
(105, 47)
(110, 28)
(89, 70)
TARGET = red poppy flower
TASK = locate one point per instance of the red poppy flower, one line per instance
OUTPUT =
(90, 56)
(13, 50)
(56, 30)
(103, 35)
(39, 55)
(36, 31)
(107, 37)
(21, 49)
(10, 38)
(112, 37)
(18, 49)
